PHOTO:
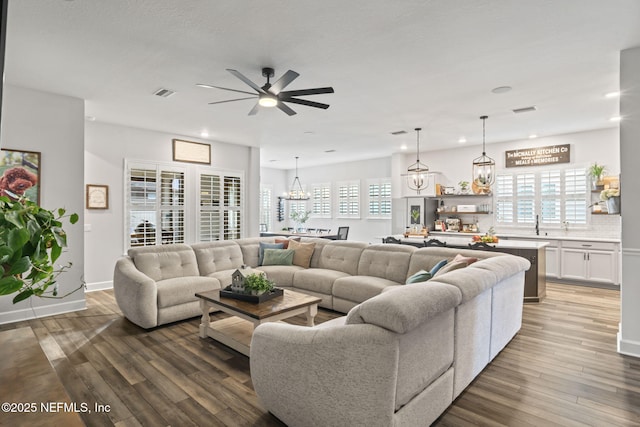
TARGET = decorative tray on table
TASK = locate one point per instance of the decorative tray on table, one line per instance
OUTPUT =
(256, 299)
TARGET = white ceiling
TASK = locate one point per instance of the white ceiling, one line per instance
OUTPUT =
(394, 65)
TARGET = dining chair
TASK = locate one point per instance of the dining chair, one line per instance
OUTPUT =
(343, 232)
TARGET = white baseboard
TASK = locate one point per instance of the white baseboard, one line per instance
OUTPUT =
(99, 286)
(38, 312)
(627, 347)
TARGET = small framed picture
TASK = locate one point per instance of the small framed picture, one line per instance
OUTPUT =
(191, 152)
(20, 174)
(97, 196)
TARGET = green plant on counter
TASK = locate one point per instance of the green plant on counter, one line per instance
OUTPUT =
(596, 171)
(31, 241)
(258, 283)
(300, 216)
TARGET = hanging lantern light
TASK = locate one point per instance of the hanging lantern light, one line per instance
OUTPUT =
(418, 173)
(295, 191)
(484, 167)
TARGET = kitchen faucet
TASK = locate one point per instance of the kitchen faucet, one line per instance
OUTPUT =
(537, 226)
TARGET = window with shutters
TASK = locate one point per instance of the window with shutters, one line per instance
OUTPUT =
(220, 208)
(266, 208)
(554, 196)
(155, 205)
(321, 200)
(379, 198)
(348, 195)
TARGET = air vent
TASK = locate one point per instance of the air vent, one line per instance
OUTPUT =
(164, 93)
(399, 132)
(525, 109)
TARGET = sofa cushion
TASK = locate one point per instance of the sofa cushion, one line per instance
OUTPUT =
(181, 290)
(166, 261)
(426, 258)
(216, 256)
(359, 288)
(456, 263)
(342, 256)
(317, 279)
(250, 249)
(317, 252)
(406, 307)
(281, 275)
(263, 246)
(303, 253)
(386, 261)
(278, 257)
(420, 276)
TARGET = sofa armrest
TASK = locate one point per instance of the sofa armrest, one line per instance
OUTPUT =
(340, 375)
(136, 294)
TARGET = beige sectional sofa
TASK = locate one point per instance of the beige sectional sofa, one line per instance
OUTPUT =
(400, 355)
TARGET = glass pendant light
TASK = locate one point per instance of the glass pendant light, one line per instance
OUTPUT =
(295, 191)
(484, 167)
(417, 173)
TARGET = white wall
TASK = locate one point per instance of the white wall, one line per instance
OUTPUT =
(629, 334)
(601, 145)
(53, 125)
(363, 229)
(106, 148)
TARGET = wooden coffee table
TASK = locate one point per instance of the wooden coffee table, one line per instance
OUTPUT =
(236, 331)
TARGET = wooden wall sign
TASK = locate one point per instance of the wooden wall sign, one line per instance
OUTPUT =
(538, 156)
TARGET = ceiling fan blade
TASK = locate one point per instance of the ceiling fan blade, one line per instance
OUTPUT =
(307, 103)
(254, 110)
(246, 80)
(231, 100)
(302, 92)
(283, 81)
(223, 88)
(286, 108)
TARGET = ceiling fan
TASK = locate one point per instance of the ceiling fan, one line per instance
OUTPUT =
(272, 95)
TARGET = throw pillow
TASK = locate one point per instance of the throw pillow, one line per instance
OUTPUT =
(264, 246)
(469, 260)
(303, 253)
(285, 243)
(437, 267)
(453, 265)
(420, 276)
(278, 257)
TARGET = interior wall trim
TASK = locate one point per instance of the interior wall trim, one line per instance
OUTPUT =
(38, 312)
(99, 286)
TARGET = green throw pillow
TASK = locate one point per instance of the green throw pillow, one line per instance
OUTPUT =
(437, 267)
(264, 246)
(420, 276)
(278, 257)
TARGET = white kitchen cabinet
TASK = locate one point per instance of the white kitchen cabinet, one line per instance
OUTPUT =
(553, 262)
(589, 261)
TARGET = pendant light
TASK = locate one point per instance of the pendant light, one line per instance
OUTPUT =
(295, 191)
(417, 173)
(484, 167)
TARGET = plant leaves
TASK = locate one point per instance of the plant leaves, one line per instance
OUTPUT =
(19, 267)
(22, 295)
(9, 285)
(17, 238)
(74, 218)
(14, 218)
(5, 254)
(61, 211)
(35, 230)
(56, 250)
(60, 236)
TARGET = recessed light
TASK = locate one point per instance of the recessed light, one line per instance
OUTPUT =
(403, 147)
(501, 89)
(462, 140)
(615, 119)
(533, 136)
(164, 93)
(204, 134)
(612, 94)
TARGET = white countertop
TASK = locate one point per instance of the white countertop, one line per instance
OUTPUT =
(514, 236)
(459, 239)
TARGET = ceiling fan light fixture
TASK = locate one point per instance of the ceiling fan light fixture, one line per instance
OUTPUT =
(268, 100)
(484, 167)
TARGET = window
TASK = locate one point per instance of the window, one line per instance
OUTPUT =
(266, 198)
(348, 199)
(321, 200)
(554, 196)
(380, 198)
(157, 211)
(152, 220)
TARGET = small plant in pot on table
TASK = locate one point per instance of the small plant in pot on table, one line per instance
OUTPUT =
(257, 284)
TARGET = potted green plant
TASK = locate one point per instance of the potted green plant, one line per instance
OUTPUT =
(31, 241)
(464, 187)
(596, 171)
(257, 284)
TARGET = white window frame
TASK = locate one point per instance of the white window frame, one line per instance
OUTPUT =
(266, 206)
(321, 200)
(349, 198)
(544, 186)
(382, 198)
(223, 209)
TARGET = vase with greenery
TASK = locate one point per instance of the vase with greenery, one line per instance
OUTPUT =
(464, 187)
(611, 196)
(300, 217)
(257, 284)
(595, 172)
(31, 241)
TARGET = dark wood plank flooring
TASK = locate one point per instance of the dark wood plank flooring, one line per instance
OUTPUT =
(562, 369)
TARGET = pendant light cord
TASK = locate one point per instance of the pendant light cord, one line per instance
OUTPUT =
(484, 119)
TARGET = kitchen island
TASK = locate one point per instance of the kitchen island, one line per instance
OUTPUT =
(534, 251)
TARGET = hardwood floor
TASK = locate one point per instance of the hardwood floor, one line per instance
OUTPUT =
(561, 369)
